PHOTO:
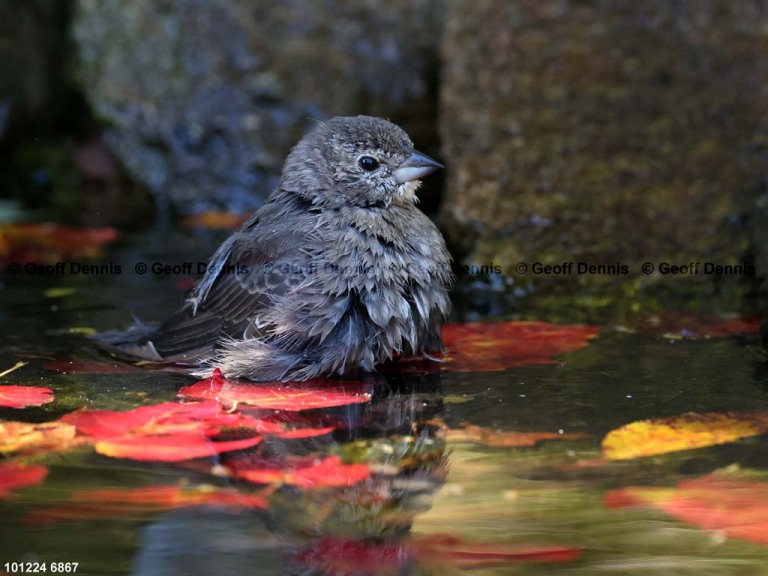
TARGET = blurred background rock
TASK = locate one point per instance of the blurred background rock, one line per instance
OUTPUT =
(204, 98)
(571, 130)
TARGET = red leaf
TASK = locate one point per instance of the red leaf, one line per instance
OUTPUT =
(14, 476)
(477, 347)
(22, 396)
(49, 243)
(163, 419)
(738, 508)
(173, 448)
(169, 432)
(109, 423)
(131, 502)
(303, 472)
(684, 432)
(345, 556)
(317, 393)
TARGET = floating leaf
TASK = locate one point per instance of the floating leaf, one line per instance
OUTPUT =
(164, 418)
(139, 502)
(12, 396)
(695, 325)
(49, 243)
(169, 432)
(685, 432)
(346, 556)
(13, 476)
(295, 396)
(176, 447)
(35, 438)
(303, 472)
(489, 437)
(737, 508)
(478, 347)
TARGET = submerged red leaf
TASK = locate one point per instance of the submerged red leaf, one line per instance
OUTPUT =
(132, 502)
(214, 220)
(13, 476)
(295, 396)
(50, 243)
(346, 556)
(694, 325)
(449, 550)
(738, 508)
(303, 472)
(343, 556)
(490, 437)
(478, 347)
(12, 396)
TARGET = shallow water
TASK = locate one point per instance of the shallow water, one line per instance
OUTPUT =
(495, 501)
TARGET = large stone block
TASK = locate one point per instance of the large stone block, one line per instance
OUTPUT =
(603, 131)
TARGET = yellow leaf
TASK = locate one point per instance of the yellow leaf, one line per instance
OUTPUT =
(684, 432)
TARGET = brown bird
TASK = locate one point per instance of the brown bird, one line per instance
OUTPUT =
(339, 270)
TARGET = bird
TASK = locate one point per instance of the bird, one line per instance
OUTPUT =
(338, 271)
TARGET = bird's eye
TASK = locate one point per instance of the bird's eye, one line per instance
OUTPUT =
(368, 163)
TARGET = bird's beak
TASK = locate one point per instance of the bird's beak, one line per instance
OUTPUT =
(415, 167)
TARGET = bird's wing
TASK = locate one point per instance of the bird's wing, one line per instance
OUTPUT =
(246, 273)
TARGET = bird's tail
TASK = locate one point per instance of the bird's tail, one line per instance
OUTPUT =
(185, 337)
(132, 344)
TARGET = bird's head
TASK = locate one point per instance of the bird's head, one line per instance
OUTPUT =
(359, 161)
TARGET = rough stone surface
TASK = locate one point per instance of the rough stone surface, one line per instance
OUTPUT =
(205, 97)
(603, 131)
